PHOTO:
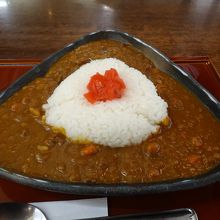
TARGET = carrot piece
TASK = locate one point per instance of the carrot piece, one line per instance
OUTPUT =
(89, 150)
(194, 159)
(153, 149)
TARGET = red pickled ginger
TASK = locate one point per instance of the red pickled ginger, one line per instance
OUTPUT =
(105, 87)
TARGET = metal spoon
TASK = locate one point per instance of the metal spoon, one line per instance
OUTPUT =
(20, 211)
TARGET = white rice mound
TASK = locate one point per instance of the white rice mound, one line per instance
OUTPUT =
(121, 122)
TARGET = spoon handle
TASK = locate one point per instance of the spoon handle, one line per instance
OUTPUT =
(177, 214)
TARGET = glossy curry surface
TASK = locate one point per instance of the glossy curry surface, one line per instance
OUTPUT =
(188, 145)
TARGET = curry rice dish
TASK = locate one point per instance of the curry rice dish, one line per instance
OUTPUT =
(185, 143)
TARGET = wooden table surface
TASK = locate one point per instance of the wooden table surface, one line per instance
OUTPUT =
(37, 28)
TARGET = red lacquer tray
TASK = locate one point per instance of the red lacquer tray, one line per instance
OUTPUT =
(205, 201)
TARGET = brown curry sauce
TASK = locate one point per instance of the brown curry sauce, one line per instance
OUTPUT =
(188, 146)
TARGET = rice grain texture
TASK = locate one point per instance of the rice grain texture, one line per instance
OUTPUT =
(121, 122)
